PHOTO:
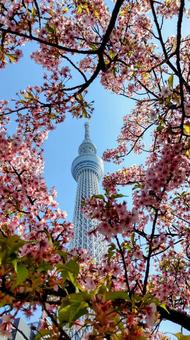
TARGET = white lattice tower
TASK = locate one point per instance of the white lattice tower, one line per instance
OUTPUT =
(87, 170)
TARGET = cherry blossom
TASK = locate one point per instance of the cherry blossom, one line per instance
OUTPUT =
(144, 277)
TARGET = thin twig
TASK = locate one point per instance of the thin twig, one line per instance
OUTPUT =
(124, 264)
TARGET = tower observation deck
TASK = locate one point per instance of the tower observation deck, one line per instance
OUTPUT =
(87, 170)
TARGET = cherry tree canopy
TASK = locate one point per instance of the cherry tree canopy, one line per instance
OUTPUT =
(144, 278)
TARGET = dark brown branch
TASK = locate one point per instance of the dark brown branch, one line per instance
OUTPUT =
(178, 317)
(21, 332)
(100, 51)
(46, 42)
(21, 182)
(38, 12)
(62, 334)
(167, 57)
(124, 264)
(139, 137)
(163, 250)
(161, 38)
(84, 86)
(150, 252)
(179, 26)
(76, 68)
(111, 24)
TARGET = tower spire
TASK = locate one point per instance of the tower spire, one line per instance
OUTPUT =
(87, 147)
(87, 170)
(87, 131)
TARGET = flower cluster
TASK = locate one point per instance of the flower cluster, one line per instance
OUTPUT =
(114, 217)
(163, 175)
(125, 176)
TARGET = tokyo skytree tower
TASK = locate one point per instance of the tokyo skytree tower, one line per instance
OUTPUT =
(87, 170)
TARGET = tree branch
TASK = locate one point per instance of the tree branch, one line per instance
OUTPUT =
(150, 252)
(178, 317)
(124, 265)
(46, 42)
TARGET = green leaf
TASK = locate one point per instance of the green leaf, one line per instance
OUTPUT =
(34, 12)
(79, 297)
(112, 54)
(12, 58)
(162, 305)
(99, 196)
(102, 290)
(73, 267)
(93, 46)
(117, 295)
(2, 256)
(112, 250)
(138, 298)
(72, 312)
(22, 273)
(27, 95)
(118, 196)
(79, 97)
(138, 185)
(44, 267)
(70, 271)
(79, 9)
(171, 81)
(51, 29)
(71, 278)
(14, 262)
(9, 248)
(180, 336)
(42, 333)
(168, 101)
(127, 246)
(160, 128)
(85, 113)
(187, 153)
(186, 129)
(63, 255)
